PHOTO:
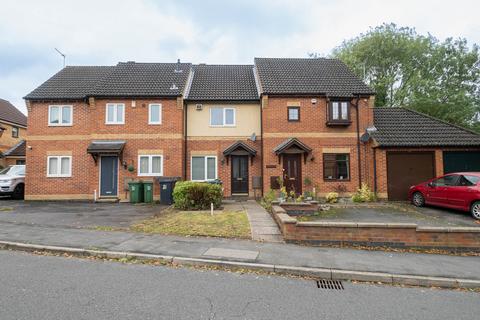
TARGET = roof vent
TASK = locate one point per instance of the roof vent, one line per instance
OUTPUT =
(174, 87)
(177, 68)
(371, 129)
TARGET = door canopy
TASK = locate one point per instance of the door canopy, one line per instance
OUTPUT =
(106, 147)
(239, 148)
(292, 146)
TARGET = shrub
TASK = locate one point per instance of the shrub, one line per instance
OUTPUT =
(267, 199)
(364, 194)
(189, 195)
(331, 197)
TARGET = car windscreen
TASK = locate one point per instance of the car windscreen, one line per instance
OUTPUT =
(14, 171)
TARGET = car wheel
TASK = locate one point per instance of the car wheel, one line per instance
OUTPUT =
(418, 200)
(18, 192)
(475, 210)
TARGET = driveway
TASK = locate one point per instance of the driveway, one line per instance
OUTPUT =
(399, 212)
(74, 214)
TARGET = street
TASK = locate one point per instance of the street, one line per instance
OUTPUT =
(48, 287)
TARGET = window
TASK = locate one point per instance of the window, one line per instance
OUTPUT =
(446, 181)
(19, 162)
(467, 180)
(60, 115)
(336, 166)
(293, 113)
(222, 117)
(339, 111)
(154, 114)
(59, 166)
(150, 165)
(115, 113)
(15, 132)
(204, 168)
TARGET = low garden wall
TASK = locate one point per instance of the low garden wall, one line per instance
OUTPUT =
(408, 235)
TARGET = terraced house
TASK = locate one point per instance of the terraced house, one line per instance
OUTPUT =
(307, 123)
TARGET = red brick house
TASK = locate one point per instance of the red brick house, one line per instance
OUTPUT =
(309, 122)
(13, 128)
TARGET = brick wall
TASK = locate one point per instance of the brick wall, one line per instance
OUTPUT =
(376, 234)
(313, 131)
(89, 124)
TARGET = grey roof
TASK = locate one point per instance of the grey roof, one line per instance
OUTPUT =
(72, 82)
(319, 76)
(223, 82)
(9, 113)
(123, 80)
(17, 150)
(291, 142)
(401, 127)
(106, 146)
(144, 79)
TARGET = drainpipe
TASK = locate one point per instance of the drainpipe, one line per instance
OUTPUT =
(358, 143)
(185, 110)
(261, 145)
(375, 170)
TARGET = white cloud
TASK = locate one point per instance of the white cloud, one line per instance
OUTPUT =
(108, 31)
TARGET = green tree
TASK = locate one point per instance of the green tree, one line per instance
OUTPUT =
(441, 79)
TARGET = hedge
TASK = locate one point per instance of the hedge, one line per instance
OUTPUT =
(188, 195)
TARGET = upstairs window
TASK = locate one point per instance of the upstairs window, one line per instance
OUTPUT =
(339, 111)
(115, 113)
(60, 115)
(222, 117)
(155, 113)
(293, 113)
(336, 166)
(15, 132)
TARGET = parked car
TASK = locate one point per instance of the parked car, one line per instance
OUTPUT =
(12, 181)
(459, 191)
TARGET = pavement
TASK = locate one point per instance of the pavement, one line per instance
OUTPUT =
(92, 289)
(341, 263)
(262, 225)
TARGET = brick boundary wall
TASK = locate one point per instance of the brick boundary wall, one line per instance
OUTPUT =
(406, 235)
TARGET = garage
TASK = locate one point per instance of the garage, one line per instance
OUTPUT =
(405, 169)
(461, 161)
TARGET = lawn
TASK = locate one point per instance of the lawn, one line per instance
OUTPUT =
(227, 224)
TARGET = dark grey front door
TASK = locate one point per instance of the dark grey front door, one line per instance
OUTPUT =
(108, 176)
(239, 174)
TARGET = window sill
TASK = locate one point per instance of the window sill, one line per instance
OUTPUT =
(339, 123)
(154, 123)
(114, 123)
(222, 126)
(50, 176)
(336, 180)
(150, 175)
(60, 125)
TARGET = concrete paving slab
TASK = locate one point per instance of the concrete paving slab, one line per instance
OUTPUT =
(232, 253)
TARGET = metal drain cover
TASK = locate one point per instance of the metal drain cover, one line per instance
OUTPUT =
(330, 284)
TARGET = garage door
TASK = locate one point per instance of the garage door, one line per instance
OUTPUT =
(407, 169)
(458, 161)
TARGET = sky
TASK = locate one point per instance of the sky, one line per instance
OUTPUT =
(104, 32)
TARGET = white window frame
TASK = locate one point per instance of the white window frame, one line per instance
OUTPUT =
(60, 116)
(224, 117)
(59, 167)
(116, 105)
(150, 113)
(205, 168)
(150, 165)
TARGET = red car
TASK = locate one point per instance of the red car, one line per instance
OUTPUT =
(459, 191)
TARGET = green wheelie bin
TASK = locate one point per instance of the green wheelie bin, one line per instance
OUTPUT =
(148, 191)
(136, 191)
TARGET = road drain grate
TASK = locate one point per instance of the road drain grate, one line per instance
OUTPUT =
(330, 284)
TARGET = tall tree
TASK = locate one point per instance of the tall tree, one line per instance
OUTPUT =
(416, 71)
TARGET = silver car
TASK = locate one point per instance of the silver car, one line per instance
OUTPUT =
(12, 181)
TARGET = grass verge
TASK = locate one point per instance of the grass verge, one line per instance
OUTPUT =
(227, 224)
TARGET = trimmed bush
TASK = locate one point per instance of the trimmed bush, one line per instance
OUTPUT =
(189, 195)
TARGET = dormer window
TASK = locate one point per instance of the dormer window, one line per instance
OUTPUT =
(339, 113)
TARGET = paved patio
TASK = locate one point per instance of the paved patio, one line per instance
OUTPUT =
(398, 213)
